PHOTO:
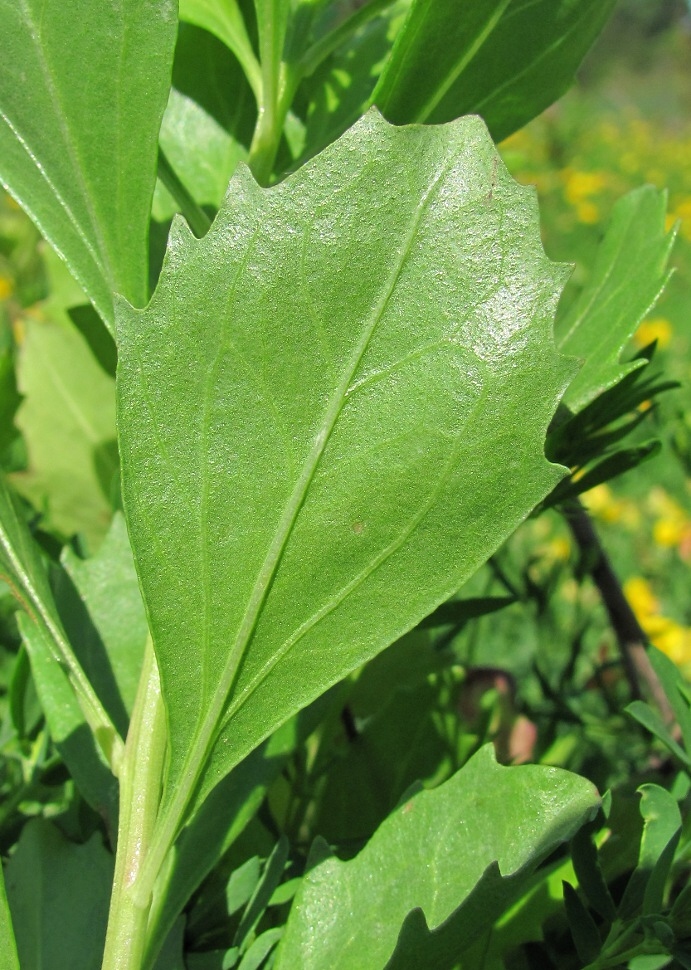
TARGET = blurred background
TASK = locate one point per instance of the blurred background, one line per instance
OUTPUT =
(628, 122)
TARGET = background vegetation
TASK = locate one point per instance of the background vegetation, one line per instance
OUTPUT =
(542, 676)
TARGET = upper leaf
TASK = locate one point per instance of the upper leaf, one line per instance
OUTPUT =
(83, 87)
(438, 850)
(506, 60)
(629, 274)
(331, 413)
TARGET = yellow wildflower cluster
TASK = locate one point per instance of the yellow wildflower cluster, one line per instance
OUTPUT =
(581, 190)
(670, 524)
(606, 159)
(666, 634)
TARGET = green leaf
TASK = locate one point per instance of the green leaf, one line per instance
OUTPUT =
(83, 89)
(205, 133)
(67, 419)
(653, 722)
(344, 430)
(58, 894)
(676, 689)
(506, 60)
(106, 620)
(661, 831)
(583, 928)
(430, 855)
(339, 91)
(8, 945)
(629, 274)
(214, 828)
(67, 724)
(224, 19)
(22, 569)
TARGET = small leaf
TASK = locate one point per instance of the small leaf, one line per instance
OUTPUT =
(629, 274)
(661, 833)
(366, 340)
(67, 725)
(58, 894)
(204, 133)
(260, 949)
(582, 926)
(224, 19)
(429, 857)
(22, 569)
(506, 60)
(256, 907)
(591, 880)
(650, 719)
(458, 612)
(107, 620)
(676, 689)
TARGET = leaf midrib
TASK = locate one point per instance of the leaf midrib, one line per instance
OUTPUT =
(206, 735)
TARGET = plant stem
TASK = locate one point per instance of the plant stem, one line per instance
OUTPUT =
(198, 220)
(630, 637)
(140, 792)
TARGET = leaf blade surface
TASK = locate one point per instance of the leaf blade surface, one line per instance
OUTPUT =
(83, 88)
(320, 456)
(507, 60)
(627, 279)
(431, 854)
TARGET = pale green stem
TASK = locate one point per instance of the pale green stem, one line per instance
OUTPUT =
(140, 793)
(277, 89)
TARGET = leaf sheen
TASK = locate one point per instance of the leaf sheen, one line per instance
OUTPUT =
(331, 413)
(464, 844)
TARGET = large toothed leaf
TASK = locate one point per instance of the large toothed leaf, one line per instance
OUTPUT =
(83, 87)
(506, 60)
(459, 853)
(629, 274)
(331, 413)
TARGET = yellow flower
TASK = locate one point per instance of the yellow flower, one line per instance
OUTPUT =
(666, 634)
(580, 186)
(6, 287)
(602, 502)
(643, 602)
(659, 328)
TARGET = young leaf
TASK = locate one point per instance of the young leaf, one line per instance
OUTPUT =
(506, 60)
(67, 725)
(22, 569)
(661, 833)
(204, 133)
(110, 627)
(224, 19)
(83, 88)
(629, 274)
(431, 854)
(58, 894)
(350, 422)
